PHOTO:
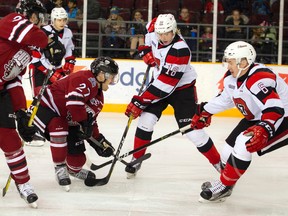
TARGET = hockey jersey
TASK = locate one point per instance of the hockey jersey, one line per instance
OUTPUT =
(18, 37)
(173, 71)
(65, 37)
(260, 94)
(70, 96)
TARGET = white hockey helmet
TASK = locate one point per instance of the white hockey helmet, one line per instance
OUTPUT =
(58, 13)
(165, 23)
(239, 50)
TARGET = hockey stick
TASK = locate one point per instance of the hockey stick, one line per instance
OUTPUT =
(182, 130)
(34, 107)
(106, 179)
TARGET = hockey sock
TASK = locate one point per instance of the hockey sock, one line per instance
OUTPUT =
(233, 170)
(210, 152)
(75, 162)
(138, 143)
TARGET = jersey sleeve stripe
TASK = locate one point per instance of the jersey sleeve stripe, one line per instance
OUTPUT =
(153, 93)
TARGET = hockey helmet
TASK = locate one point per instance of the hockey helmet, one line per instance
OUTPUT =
(58, 13)
(28, 7)
(240, 50)
(165, 23)
(108, 66)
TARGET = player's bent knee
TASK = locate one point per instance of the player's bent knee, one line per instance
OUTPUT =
(198, 137)
(147, 121)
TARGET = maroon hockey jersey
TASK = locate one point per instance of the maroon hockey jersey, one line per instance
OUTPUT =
(18, 37)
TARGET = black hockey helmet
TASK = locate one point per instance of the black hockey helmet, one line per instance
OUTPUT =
(28, 7)
(107, 65)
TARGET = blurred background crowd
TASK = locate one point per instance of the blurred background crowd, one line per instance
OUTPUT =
(117, 27)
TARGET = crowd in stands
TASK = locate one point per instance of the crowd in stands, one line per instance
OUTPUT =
(122, 23)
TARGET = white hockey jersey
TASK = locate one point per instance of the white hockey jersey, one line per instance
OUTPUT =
(260, 94)
(65, 37)
(173, 70)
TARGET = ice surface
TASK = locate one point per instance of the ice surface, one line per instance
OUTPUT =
(168, 183)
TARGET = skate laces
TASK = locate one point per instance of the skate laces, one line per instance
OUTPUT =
(82, 174)
(25, 189)
(217, 187)
(61, 172)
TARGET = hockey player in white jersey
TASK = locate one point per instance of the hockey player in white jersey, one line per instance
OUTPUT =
(261, 95)
(173, 83)
(61, 36)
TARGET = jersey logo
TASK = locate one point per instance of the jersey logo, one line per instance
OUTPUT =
(16, 65)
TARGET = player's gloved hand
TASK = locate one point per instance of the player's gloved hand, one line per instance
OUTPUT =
(145, 52)
(202, 118)
(136, 106)
(107, 149)
(69, 65)
(87, 127)
(55, 50)
(58, 74)
(25, 132)
(260, 133)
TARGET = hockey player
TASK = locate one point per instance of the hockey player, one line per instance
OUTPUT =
(76, 100)
(40, 64)
(262, 97)
(173, 83)
(19, 34)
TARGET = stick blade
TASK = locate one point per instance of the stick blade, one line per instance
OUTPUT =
(96, 182)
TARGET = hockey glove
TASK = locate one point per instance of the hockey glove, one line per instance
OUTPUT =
(25, 132)
(146, 54)
(87, 127)
(55, 50)
(107, 149)
(136, 106)
(69, 65)
(202, 118)
(260, 133)
(58, 74)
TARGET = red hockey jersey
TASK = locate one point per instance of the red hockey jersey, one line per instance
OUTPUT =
(18, 37)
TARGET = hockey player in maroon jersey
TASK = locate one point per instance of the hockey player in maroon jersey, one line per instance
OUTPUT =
(262, 97)
(76, 100)
(173, 84)
(19, 34)
(40, 64)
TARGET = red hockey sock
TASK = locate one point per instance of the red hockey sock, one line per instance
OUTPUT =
(212, 155)
(75, 162)
(230, 175)
(138, 143)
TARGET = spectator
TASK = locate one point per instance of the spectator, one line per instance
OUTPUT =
(234, 31)
(208, 7)
(206, 39)
(137, 31)
(230, 5)
(52, 4)
(114, 27)
(264, 40)
(261, 7)
(73, 11)
(187, 30)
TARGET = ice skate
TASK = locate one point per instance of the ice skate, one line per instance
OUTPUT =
(132, 170)
(62, 176)
(37, 141)
(83, 174)
(217, 192)
(27, 193)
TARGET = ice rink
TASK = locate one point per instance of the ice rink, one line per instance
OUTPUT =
(168, 183)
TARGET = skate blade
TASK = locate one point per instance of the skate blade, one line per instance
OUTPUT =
(131, 175)
(35, 144)
(220, 200)
(33, 205)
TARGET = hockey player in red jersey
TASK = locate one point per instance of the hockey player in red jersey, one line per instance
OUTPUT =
(262, 97)
(75, 101)
(173, 84)
(18, 36)
(40, 64)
